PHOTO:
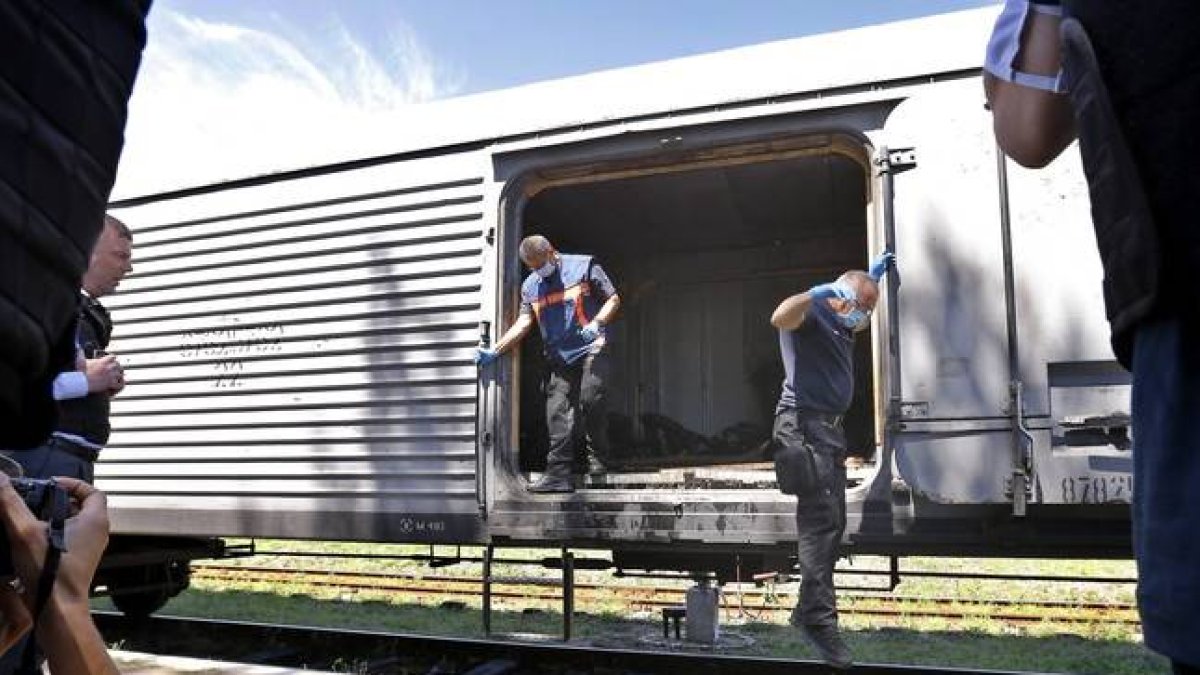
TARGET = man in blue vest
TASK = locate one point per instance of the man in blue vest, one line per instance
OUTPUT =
(1125, 78)
(572, 300)
(816, 343)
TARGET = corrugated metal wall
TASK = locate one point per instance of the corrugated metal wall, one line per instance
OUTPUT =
(298, 358)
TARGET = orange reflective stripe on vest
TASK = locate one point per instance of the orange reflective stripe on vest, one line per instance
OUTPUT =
(575, 294)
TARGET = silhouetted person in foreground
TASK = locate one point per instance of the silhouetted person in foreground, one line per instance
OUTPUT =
(1125, 78)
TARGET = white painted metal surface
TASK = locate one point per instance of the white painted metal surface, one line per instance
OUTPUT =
(954, 348)
(302, 346)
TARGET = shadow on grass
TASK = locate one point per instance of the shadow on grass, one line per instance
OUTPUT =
(965, 648)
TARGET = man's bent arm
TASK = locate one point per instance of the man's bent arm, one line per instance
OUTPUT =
(70, 384)
(791, 312)
(1031, 125)
(609, 311)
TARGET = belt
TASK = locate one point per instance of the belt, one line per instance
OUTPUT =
(832, 419)
(82, 452)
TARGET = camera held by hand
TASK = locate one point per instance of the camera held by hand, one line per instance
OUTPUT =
(47, 501)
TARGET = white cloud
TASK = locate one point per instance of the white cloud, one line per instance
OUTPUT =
(216, 101)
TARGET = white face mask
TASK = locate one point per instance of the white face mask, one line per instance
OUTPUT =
(546, 270)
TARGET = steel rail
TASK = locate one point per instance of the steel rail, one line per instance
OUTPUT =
(603, 564)
(368, 651)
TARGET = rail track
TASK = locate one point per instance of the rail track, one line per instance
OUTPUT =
(375, 652)
(752, 603)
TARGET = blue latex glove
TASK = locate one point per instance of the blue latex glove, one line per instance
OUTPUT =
(591, 331)
(885, 262)
(484, 356)
(831, 290)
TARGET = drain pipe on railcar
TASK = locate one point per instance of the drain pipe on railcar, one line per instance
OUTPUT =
(1022, 440)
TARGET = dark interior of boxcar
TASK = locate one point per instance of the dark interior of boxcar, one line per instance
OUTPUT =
(700, 258)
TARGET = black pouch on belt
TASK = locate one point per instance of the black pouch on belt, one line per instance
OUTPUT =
(796, 469)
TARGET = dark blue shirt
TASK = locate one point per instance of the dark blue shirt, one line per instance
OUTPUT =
(818, 361)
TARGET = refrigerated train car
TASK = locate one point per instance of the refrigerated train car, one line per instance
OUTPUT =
(299, 345)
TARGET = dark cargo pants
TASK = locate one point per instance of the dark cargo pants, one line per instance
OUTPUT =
(809, 461)
(1166, 471)
(576, 396)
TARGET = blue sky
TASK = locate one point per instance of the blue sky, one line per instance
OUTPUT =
(236, 87)
(487, 44)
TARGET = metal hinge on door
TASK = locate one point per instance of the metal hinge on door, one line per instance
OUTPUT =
(896, 160)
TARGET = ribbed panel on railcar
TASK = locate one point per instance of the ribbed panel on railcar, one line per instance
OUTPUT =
(299, 359)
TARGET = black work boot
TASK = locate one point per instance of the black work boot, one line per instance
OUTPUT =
(828, 643)
(554, 480)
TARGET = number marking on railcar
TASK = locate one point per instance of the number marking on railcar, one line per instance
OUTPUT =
(1097, 489)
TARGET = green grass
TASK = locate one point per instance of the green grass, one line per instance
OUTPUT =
(977, 642)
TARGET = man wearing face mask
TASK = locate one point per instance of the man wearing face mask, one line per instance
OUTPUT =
(572, 300)
(816, 343)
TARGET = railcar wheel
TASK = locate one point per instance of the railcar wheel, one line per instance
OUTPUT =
(138, 592)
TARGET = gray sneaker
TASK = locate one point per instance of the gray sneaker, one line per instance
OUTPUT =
(828, 643)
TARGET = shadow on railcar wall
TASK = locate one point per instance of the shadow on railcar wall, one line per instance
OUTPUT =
(388, 452)
(419, 436)
(956, 354)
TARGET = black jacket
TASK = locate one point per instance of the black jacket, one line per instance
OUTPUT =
(66, 71)
(1137, 137)
(87, 417)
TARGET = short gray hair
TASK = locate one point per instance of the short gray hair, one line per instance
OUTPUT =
(534, 244)
(120, 228)
(856, 277)
(859, 281)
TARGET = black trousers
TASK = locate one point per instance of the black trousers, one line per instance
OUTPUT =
(577, 409)
(810, 455)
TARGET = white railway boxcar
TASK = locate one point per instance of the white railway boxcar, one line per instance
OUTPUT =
(299, 345)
